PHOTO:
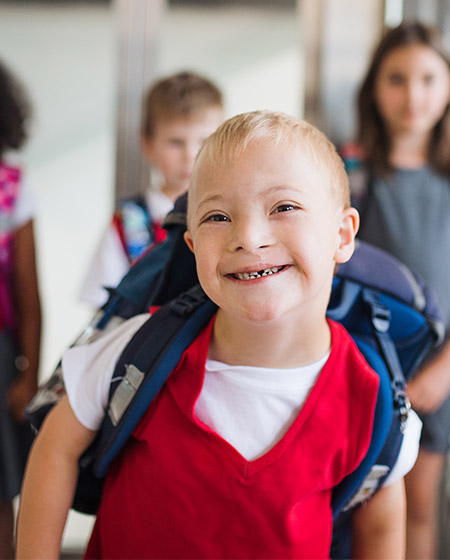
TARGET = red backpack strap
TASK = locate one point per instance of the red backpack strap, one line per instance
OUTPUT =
(117, 224)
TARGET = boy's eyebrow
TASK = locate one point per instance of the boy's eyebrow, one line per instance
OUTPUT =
(277, 188)
(270, 190)
(297, 190)
(210, 198)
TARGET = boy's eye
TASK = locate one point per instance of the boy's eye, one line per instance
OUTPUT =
(284, 208)
(217, 218)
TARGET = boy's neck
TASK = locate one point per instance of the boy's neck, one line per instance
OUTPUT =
(276, 345)
(409, 151)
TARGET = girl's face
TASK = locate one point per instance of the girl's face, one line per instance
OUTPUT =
(412, 89)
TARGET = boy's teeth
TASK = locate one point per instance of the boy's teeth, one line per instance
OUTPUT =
(256, 274)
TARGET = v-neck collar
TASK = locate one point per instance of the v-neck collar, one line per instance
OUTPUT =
(185, 386)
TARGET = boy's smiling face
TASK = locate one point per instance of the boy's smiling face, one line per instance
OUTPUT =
(267, 231)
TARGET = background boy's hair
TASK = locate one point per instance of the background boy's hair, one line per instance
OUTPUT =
(235, 134)
(184, 95)
(371, 132)
(15, 111)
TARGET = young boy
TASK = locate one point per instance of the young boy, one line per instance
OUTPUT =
(270, 407)
(179, 112)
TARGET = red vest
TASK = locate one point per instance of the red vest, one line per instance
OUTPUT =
(181, 491)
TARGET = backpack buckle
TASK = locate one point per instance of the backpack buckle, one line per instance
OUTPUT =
(190, 301)
(380, 314)
(403, 404)
(381, 318)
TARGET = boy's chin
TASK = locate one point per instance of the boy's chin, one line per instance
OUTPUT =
(256, 315)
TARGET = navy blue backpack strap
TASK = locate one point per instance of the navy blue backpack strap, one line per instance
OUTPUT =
(362, 482)
(387, 433)
(395, 322)
(159, 276)
(144, 367)
(344, 493)
(131, 296)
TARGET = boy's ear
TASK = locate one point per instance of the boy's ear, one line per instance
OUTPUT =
(188, 240)
(347, 232)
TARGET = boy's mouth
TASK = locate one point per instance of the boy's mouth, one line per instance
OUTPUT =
(257, 273)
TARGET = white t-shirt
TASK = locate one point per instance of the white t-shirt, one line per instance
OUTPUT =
(109, 263)
(250, 407)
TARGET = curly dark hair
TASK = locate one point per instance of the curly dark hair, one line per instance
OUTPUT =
(371, 132)
(15, 111)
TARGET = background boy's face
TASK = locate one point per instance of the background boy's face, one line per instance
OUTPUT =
(174, 147)
(266, 232)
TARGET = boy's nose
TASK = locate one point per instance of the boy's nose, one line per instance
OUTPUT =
(251, 235)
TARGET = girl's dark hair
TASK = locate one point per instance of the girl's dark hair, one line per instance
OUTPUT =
(15, 112)
(371, 132)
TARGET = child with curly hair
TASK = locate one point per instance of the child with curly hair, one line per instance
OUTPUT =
(20, 311)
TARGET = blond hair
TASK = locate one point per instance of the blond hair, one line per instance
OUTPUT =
(235, 134)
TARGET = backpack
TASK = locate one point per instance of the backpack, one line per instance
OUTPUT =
(135, 227)
(388, 311)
